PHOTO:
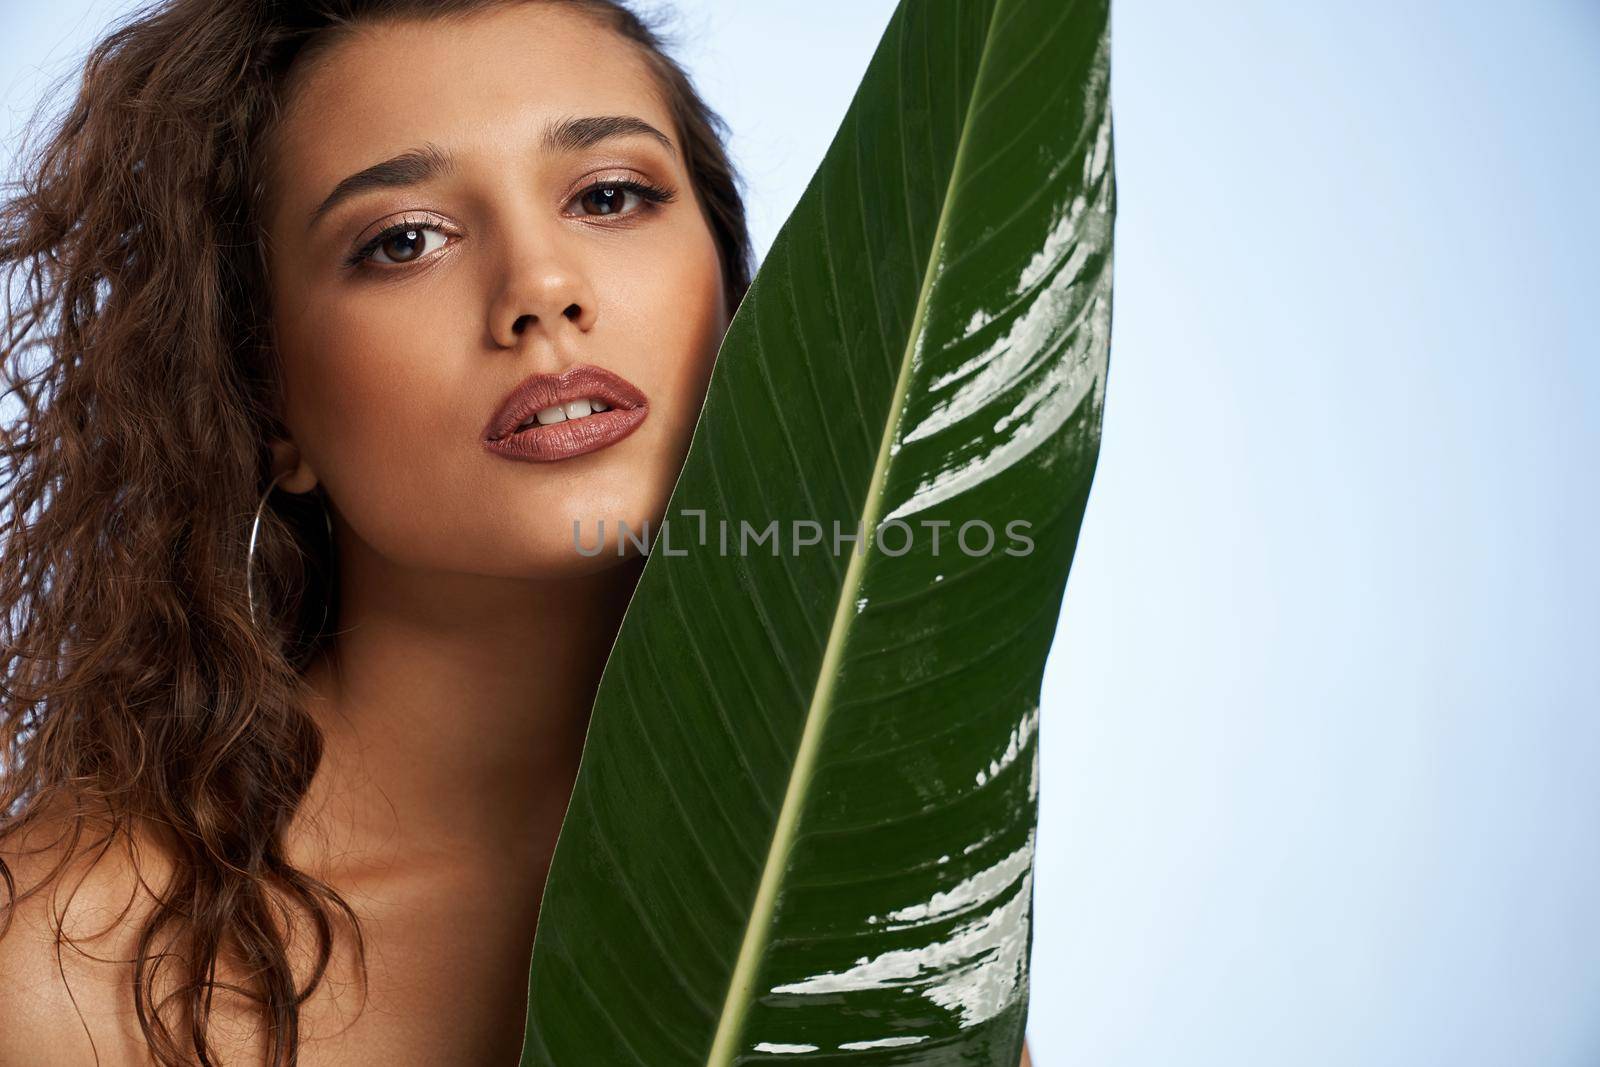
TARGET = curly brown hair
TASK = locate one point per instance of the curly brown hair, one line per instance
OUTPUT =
(138, 691)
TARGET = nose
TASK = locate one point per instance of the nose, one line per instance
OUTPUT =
(544, 290)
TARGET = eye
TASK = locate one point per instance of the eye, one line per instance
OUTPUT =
(402, 243)
(611, 197)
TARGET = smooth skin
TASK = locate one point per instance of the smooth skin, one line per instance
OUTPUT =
(471, 634)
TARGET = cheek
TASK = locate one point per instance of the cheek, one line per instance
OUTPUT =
(373, 396)
(686, 321)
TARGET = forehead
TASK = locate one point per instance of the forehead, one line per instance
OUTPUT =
(484, 85)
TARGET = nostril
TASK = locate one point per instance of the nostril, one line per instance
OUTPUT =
(573, 311)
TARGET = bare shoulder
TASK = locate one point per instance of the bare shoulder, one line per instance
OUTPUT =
(71, 927)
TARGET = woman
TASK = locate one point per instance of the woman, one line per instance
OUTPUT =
(308, 272)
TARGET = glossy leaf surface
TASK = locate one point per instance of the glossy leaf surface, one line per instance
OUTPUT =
(803, 827)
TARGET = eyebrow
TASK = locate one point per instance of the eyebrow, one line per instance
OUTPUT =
(418, 165)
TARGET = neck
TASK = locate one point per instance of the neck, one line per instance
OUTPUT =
(454, 709)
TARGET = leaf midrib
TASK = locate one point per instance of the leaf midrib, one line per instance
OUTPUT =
(735, 1007)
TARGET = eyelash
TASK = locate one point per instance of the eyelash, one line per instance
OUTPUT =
(651, 194)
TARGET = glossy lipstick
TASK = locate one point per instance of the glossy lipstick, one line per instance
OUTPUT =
(514, 432)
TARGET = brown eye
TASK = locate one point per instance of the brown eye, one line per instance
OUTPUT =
(404, 246)
(604, 199)
(398, 245)
(610, 197)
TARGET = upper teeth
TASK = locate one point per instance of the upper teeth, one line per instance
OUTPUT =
(572, 409)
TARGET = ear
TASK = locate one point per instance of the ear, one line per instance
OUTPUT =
(286, 457)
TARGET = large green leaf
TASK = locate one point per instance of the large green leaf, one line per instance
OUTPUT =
(803, 825)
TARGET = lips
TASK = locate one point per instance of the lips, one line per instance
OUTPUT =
(540, 442)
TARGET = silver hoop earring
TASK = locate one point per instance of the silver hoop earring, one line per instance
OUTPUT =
(250, 553)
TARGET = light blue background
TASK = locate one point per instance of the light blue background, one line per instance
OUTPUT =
(1321, 728)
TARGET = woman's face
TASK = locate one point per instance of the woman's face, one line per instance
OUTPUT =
(508, 264)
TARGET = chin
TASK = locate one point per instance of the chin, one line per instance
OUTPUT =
(583, 535)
